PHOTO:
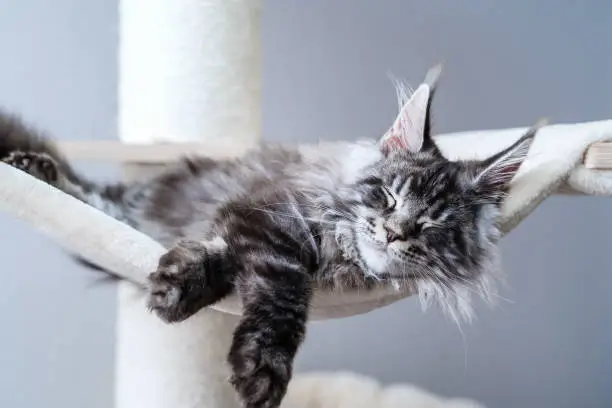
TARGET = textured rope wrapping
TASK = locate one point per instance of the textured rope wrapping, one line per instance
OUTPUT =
(188, 67)
(189, 70)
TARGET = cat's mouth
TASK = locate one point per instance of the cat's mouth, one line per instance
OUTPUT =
(391, 247)
(386, 259)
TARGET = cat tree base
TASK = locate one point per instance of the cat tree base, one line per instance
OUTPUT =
(182, 365)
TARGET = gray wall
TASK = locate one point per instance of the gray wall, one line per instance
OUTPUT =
(325, 75)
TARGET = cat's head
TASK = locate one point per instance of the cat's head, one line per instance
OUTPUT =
(424, 217)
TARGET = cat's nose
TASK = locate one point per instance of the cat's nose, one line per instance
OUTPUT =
(393, 235)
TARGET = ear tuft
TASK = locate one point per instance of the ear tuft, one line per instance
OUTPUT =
(411, 128)
(499, 170)
(433, 76)
(408, 129)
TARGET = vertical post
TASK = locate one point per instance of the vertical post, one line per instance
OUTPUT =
(189, 70)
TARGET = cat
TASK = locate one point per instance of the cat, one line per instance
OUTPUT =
(272, 224)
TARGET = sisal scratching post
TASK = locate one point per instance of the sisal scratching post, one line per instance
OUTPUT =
(189, 71)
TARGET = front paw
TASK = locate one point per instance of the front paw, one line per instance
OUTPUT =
(260, 377)
(180, 277)
(39, 165)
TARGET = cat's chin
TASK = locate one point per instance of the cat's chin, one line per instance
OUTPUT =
(374, 255)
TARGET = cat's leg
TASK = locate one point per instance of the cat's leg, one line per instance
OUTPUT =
(189, 277)
(39, 165)
(276, 297)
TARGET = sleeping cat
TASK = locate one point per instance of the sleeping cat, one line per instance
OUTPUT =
(271, 224)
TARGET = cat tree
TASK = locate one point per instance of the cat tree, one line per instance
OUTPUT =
(190, 83)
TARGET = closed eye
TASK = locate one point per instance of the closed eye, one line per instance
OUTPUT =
(390, 200)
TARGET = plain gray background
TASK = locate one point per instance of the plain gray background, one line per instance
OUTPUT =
(325, 75)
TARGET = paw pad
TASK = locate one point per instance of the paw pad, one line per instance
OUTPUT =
(39, 165)
(172, 286)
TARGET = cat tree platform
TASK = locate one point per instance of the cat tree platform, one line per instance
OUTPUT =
(555, 165)
(190, 83)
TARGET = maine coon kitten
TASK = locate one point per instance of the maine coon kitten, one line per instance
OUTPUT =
(273, 223)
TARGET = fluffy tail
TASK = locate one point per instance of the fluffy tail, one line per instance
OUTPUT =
(32, 151)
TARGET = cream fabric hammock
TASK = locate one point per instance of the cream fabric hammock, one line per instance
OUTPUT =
(190, 69)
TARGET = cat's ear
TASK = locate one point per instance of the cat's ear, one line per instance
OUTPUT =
(411, 129)
(498, 171)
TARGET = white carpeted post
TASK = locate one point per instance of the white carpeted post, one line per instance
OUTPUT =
(189, 71)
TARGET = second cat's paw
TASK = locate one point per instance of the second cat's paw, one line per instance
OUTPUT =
(39, 165)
